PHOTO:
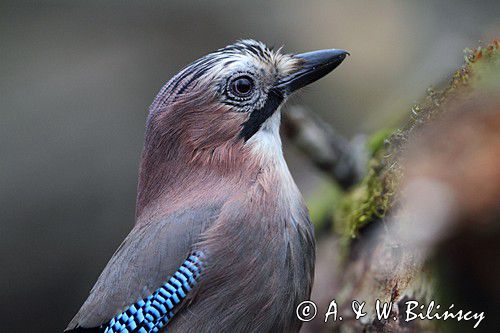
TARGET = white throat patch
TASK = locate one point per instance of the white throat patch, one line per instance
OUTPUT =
(266, 143)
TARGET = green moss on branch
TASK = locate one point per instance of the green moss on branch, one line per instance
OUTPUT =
(373, 197)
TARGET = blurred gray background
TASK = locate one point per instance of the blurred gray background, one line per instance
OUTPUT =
(78, 76)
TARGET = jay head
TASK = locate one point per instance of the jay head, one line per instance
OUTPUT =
(222, 240)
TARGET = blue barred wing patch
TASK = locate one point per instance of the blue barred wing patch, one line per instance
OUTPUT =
(152, 313)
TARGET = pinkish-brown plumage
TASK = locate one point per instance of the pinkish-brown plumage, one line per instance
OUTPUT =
(213, 179)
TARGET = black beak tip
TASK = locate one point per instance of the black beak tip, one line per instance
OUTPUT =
(323, 56)
(314, 66)
(337, 56)
(344, 53)
(341, 55)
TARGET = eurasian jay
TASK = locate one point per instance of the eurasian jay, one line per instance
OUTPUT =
(222, 240)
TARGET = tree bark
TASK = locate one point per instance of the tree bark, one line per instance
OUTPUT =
(420, 222)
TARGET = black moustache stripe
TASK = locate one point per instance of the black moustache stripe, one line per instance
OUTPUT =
(259, 116)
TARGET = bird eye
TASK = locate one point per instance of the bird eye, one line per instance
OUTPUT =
(242, 86)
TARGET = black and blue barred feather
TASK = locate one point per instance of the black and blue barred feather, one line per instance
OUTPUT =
(154, 312)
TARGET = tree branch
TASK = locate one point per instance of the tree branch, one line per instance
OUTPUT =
(344, 161)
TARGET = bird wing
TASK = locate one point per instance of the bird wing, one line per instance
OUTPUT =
(149, 255)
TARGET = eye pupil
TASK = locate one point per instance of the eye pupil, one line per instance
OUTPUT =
(242, 86)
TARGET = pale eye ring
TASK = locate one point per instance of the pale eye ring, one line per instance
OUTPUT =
(241, 86)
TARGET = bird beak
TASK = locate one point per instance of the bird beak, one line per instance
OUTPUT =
(314, 66)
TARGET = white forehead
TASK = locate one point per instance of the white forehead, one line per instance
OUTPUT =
(253, 56)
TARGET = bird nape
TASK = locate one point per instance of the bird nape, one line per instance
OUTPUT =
(222, 239)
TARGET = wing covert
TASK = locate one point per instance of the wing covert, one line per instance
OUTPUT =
(149, 255)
